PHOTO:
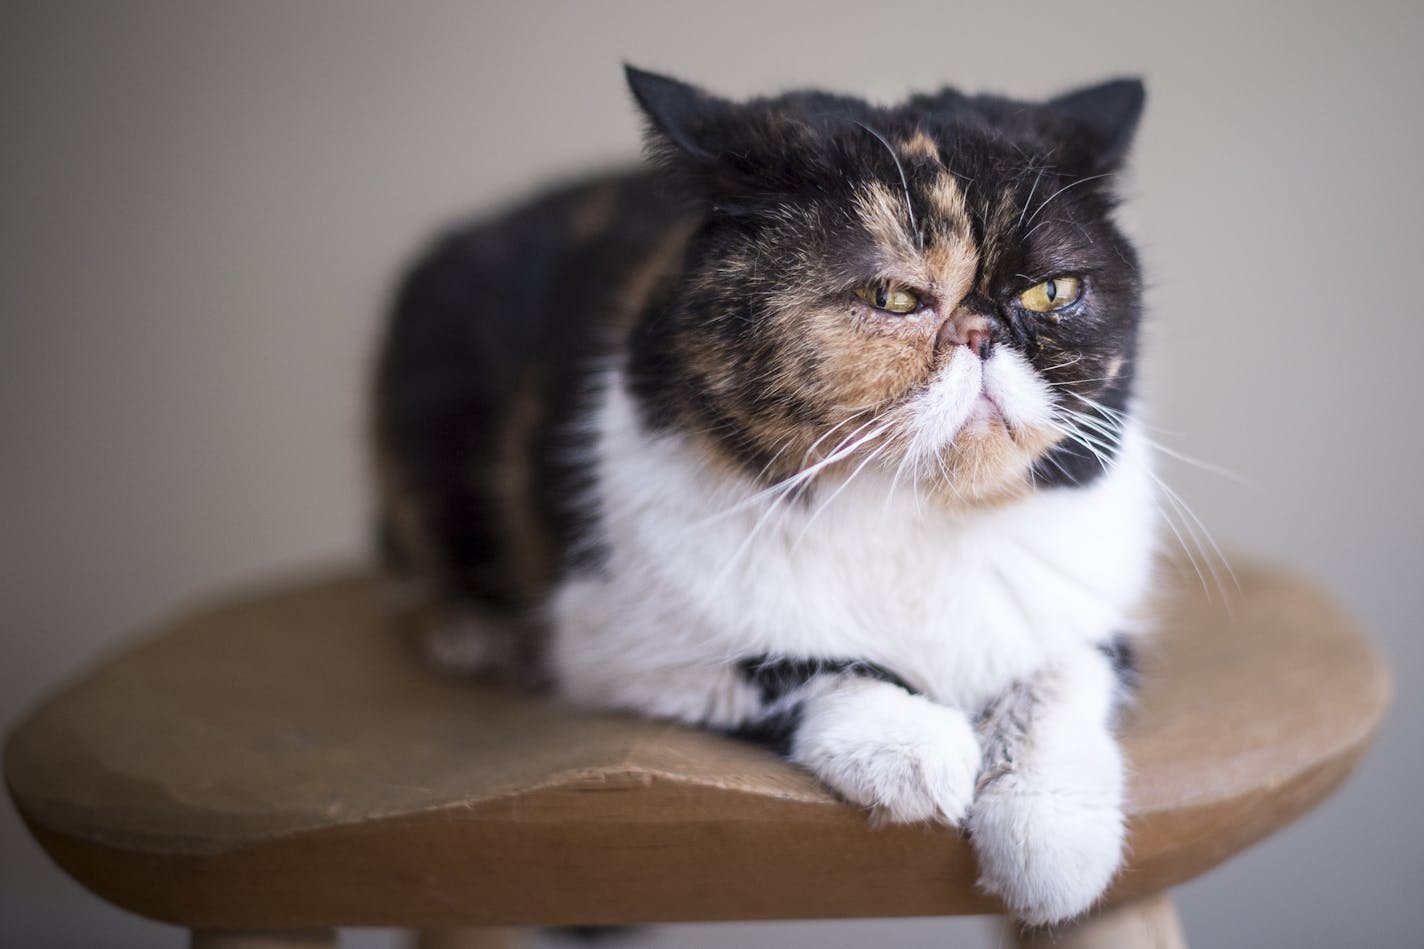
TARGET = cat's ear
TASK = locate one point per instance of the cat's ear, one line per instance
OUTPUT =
(1106, 115)
(690, 120)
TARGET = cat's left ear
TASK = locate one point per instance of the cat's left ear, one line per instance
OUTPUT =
(681, 114)
(1106, 116)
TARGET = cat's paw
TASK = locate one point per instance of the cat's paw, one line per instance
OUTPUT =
(901, 755)
(465, 642)
(1050, 839)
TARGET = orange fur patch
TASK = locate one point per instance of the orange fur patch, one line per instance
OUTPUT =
(991, 466)
(948, 199)
(920, 145)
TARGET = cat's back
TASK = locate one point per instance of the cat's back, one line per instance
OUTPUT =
(491, 337)
(500, 287)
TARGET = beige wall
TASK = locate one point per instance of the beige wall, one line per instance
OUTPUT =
(202, 205)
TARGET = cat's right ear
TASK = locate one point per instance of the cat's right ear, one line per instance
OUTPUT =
(679, 114)
(1106, 117)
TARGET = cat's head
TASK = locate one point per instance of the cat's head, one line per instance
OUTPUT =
(935, 289)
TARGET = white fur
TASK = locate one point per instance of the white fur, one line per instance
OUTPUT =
(941, 410)
(1007, 380)
(905, 756)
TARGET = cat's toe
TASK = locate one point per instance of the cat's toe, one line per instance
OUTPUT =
(1048, 852)
(906, 758)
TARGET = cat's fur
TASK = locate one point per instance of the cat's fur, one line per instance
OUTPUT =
(644, 439)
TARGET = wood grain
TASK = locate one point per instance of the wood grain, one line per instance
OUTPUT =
(280, 760)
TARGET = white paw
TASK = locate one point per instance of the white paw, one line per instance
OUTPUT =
(1049, 838)
(468, 643)
(900, 754)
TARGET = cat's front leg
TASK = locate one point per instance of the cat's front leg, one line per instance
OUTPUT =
(1047, 817)
(880, 746)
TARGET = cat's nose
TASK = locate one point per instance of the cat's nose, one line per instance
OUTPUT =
(967, 328)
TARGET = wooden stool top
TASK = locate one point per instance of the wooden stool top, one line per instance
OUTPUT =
(282, 760)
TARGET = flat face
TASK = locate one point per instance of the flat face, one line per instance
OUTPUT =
(937, 288)
(289, 738)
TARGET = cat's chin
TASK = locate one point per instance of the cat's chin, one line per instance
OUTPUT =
(989, 462)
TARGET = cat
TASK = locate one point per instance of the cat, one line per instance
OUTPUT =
(820, 432)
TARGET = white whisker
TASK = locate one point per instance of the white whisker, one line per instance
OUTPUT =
(787, 488)
(837, 493)
(797, 480)
(1029, 200)
(1074, 184)
(1121, 417)
(1197, 542)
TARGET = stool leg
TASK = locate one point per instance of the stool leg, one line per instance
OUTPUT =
(470, 937)
(1149, 923)
(259, 939)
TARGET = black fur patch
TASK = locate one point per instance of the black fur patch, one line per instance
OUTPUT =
(512, 309)
(778, 677)
(1123, 656)
(774, 731)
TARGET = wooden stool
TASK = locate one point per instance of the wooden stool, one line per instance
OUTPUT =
(280, 764)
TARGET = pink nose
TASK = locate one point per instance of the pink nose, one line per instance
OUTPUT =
(965, 328)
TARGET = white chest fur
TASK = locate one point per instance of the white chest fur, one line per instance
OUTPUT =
(959, 604)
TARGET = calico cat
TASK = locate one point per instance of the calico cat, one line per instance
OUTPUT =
(821, 433)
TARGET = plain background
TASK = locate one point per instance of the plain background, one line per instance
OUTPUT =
(202, 208)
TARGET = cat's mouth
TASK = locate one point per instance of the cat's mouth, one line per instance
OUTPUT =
(984, 415)
(976, 430)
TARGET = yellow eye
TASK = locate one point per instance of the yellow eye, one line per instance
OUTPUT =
(886, 296)
(1052, 294)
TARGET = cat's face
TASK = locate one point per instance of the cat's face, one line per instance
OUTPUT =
(935, 290)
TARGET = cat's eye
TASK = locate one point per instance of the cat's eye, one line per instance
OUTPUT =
(1052, 294)
(890, 297)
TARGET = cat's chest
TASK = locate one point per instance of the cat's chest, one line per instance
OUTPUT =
(956, 604)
